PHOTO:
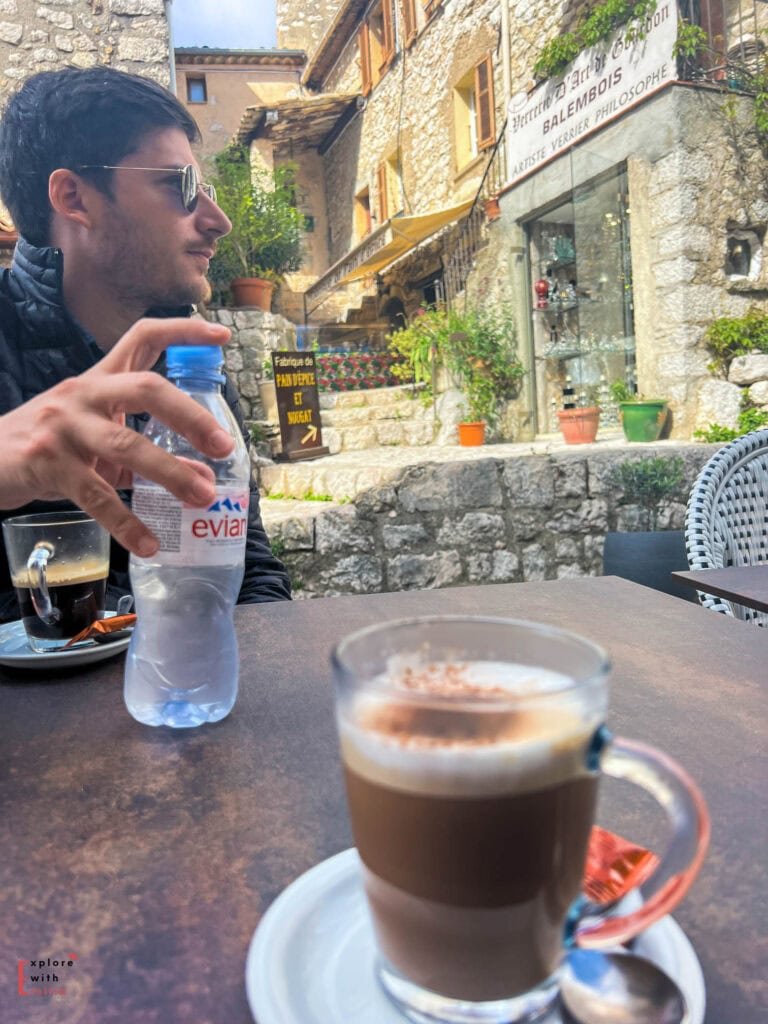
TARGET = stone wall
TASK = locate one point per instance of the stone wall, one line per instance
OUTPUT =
(480, 519)
(44, 35)
(254, 335)
(301, 25)
(411, 107)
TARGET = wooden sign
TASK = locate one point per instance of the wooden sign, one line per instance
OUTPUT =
(298, 405)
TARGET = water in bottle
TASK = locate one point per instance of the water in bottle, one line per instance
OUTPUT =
(182, 663)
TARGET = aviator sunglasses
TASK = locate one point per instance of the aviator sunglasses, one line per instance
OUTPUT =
(190, 183)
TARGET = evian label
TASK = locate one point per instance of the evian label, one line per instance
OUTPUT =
(195, 536)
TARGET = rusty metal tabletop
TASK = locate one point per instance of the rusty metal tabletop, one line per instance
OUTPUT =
(747, 585)
(151, 854)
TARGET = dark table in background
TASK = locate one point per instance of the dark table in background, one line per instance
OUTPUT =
(152, 854)
(747, 585)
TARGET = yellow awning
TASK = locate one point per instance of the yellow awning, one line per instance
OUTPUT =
(406, 232)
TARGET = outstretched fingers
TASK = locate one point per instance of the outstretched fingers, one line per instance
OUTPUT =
(143, 344)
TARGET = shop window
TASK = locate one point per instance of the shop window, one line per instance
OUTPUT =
(363, 214)
(389, 192)
(474, 116)
(581, 301)
(196, 89)
(376, 42)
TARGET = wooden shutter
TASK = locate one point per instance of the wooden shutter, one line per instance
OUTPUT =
(364, 43)
(430, 6)
(388, 42)
(382, 205)
(410, 25)
(484, 104)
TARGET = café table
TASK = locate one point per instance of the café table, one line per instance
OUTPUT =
(152, 854)
(746, 585)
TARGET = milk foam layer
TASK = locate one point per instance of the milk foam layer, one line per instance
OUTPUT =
(62, 574)
(533, 732)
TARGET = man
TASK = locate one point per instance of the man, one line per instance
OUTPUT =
(97, 171)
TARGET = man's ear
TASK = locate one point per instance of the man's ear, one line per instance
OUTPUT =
(72, 198)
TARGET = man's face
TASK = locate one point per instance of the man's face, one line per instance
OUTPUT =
(150, 250)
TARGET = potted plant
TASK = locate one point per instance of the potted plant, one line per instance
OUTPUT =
(265, 240)
(648, 555)
(579, 425)
(642, 419)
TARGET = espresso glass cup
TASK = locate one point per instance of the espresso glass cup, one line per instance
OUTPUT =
(59, 563)
(472, 751)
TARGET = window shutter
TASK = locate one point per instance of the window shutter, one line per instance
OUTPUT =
(365, 60)
(382, 205)
(484, 105)
(430, 6)
(410, 25)
(388, 47)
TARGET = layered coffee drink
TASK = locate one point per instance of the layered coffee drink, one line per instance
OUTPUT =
(471, 805)
(77, 593)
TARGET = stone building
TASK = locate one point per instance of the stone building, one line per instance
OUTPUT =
(631, 186)
(217, 85)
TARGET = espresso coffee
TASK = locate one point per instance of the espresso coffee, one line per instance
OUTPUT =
(77, 592)
(472, 827)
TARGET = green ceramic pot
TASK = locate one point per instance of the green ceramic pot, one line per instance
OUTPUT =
(643, 421)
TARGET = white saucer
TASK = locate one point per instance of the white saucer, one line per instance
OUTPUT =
(15, 651)
(311, 960)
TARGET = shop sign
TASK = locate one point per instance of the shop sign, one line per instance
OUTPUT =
(599, 85)
(298, 405)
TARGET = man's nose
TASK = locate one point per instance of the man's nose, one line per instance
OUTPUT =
(210, 216)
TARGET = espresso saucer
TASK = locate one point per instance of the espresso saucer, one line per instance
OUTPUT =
(15, 651)
(312, 957)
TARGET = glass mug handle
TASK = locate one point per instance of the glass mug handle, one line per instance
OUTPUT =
(688, 816)
(38, 583)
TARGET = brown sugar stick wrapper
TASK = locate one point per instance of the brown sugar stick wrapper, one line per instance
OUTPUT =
(102, 627)
(614, 866)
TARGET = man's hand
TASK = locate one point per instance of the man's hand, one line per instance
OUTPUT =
(72, 441)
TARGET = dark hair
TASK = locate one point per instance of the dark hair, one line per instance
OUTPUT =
(73, 117)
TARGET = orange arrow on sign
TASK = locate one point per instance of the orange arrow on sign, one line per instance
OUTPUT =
(311, 435)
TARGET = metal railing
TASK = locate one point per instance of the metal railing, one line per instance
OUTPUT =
(736, 40)
(472, 234)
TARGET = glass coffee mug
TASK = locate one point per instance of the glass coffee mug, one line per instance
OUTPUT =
(472, 751)
(59, 563)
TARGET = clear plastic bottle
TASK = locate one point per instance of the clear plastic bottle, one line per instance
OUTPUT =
(182, 663)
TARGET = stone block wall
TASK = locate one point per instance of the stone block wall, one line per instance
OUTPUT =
(485, 520)
(44, 35)
(255, 335)
(411, 107)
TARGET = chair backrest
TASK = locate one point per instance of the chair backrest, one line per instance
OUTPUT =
(726, 522)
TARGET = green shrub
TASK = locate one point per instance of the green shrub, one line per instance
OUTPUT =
(731, 336)
(650, 482)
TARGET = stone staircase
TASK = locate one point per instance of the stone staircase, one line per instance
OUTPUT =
(381, 417)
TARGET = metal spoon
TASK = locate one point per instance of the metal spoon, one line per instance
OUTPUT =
(618, 988)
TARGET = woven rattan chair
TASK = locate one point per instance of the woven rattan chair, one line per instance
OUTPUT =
(726, 522)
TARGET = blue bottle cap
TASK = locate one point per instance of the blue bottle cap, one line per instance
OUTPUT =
(195, 361)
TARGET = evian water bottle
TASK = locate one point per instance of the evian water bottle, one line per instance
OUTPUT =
(182, 663)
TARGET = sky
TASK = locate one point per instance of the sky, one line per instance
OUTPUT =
(232, 24)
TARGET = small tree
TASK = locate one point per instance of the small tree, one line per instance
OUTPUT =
(649, 483)
(265, 240)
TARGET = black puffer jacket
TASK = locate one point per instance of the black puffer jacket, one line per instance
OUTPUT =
(40, 345)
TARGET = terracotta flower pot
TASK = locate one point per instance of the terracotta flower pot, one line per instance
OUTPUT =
(492, 208)
(252, 291)
(471, 434)
(579, 426)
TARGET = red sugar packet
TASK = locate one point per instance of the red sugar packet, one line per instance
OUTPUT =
(102, 627)
(614, 866)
